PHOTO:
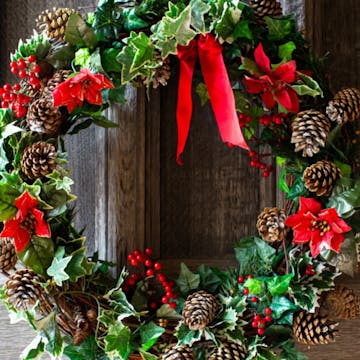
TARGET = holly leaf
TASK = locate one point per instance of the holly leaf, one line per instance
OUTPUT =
(187, 280)
(186, 336)
(310, 82)
(278, 285)
(290, 352)
(280, 306)
(38, 255)
(209, 280)
(85, 351)
(198, 10)
(79, 33)
(255, 286)
(150, 334)
(58, 265)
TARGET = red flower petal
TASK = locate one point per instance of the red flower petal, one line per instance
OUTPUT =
(302, 237)
(268, 99)
(262, 60)
(93, 96)
(315, 248)
(21, 235)
(254, 86)
(42, 228)
(288, 99)
(286, 72)
(336, 242)
(309, 205)
(25, 202)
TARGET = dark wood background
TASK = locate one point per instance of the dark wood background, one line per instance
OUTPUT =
(132, 194)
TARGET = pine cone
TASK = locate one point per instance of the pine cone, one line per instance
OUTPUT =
(342, 303)
(345, 106)
(8, 258)
(162, 74)
(310, 129)
(174, 352)
(199, 310)
(320, 177)
(58, 77)
(23, 289)
(53, 23)
(38, 160)
(264, 8)
(271, 225)
(43, 117)
(83, 328)
(314, 329)
(229, 350)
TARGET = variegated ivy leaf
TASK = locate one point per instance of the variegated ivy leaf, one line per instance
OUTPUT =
(144, 49)
(61, 182)
(198, 9)
(126, 58)
(58, 266)
(167, 47)
(186, 336)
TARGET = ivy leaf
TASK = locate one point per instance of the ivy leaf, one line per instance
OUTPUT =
(186, 336)
(278, 285)
(225, 26)
(38, 255)
(242, 30)
(144, 50)
(7, 201)
(286, 50)
(109, 60)
(149, 334)
(147, 356)
(281, 305)
(132, 21)
(58, 265)
(79, 33)
(187, 280)
(78, 265)
(179, 27)
(255, 286)
(82, 57)
(279, 28)
(117, 341)
(198, 9)
(126, 58)
(85, 351)
(60, 182)
(167, 47)
(34, 349)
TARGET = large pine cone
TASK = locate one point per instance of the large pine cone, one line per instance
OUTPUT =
(310, 129)
(8, 258)
(38, 160)
(321, 177)
(43, 117)
(342, 303)
(23, 289)
(200, 310)
(58, 77)
(345, 106)
(174, 352)
(264, 8)
(314, 329)
(53, 23)
(229, 350)
(271, 224)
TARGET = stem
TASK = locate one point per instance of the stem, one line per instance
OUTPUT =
(286, 256)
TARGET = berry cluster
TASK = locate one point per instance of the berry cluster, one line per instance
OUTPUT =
(27, 70)
(276, 119)
(147, 268)
(309, 270)
(259, 321)
(244, 119)
(11, 97)
(256, 162)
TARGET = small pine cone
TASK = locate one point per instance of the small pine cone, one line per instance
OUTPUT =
(8, 258)
(314, 329)
(53, 23)
(174, 352)
(342, 303)
(310, 129)
(264, 8)
(23, 289)
(345, 106)
(162, 74)
(83, 328)
(58, 77)
(271, 225)
(199, 310)
(38, 160)
(229, 350)
(320, 177)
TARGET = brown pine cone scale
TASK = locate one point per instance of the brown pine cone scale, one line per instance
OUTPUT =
(175, 352)
(8, 258)
(271, 225)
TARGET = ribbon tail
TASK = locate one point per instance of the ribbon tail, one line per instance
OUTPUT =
(220, 91)
(187, 56)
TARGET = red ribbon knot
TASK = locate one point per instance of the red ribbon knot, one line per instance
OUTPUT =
(217, 82)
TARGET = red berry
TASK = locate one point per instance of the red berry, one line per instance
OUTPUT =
(157, 266)
(21, 63)
(172, 305)
(134, 263)
(174, 296)
(252, 153)
(148, 251)
(254, 324)
(265, 174)
(136, 252)
(32, 58)
(150, 272)
(131, 257)
(161, 277)
(17, 87)
(139, 258)
(6, 96)
(13, 64)
(261, 331)
(132, 282)
(253, 163)
(135, 276)
(268, 311)
(262, 166)
(240, 279)
(7, 88)
(153, 305)
(4, 104)
(168, 288)
(14, 70)
(268, 318)
(12, 96)
(36, 69)
(250, 276)
(148, 263)
(22, 74)
(254, 299)
(257, 318)
(20, 112)
(169, 294)
(164, 299)
(246, 291)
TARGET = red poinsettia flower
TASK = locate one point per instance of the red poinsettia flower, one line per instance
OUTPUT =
(28, 221)
(83, 86)
(322, 228)
(273, 85)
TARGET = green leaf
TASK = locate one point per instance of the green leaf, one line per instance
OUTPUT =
(297, 189)
(255, 286)
(34, 350)
(281, 305)
(126, 58)
(147, 356)
(278, 285)
(250, 66)
(201, 90)
(242, 30)
(279, 28)
(166, 312)
(61, 57)
(61, 182)
(198, 10)
(305, 90)
(311, 83)
(286, 50)
(109, 60)
(344, 168)
(186, 336)
(290, 352)
(187, 280)
(58, 265)
(132, 21)
(104, 122)
(149, 334)
(144, 50)
(117, 341)
(7, 201)
(85, 351)
(209, 279)
(78, 265)
(82, 57)
(79, 33)
(167, 47)
(38, 255)
(225, 26)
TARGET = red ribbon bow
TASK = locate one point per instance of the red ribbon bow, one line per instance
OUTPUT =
(219, 88)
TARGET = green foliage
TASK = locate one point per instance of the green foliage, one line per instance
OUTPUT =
(87, 350)
(7, 201)
(79, 33)
(279, 29)
(187, 280)
(58, 265)
(150, 334)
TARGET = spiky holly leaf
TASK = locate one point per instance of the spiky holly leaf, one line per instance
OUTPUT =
(187, 280)
(149, 334)
(79, 33)
(58, 266)
(186, 336)
(290, 352)
(228, 320)
(87, 350)
(198, 10)
(282, 309)
(117, 341)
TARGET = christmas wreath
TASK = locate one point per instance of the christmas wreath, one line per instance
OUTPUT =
(267, 89)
